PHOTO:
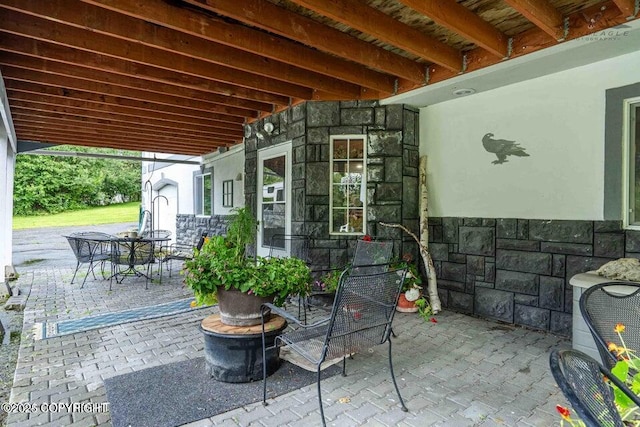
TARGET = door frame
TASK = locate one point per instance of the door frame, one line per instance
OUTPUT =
(266, 154)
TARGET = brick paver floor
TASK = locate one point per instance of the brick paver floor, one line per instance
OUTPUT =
(460, 371)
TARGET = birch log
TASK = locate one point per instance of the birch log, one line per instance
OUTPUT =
(434, 299)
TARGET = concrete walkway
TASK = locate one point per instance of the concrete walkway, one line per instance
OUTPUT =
(460, 371)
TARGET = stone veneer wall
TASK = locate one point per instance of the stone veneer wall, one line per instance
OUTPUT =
(518, 270)
(189, 228)
(392, 169)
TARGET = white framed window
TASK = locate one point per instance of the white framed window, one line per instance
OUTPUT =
(203, 194)
(348, 186)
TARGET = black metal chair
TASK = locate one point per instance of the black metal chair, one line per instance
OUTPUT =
(296, 245)
(361, 318)
(178, 252)
(602, 308)
(89, 248)
(131, 253)
(372, 256)
(582, 381)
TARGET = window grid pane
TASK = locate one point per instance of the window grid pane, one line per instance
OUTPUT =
(348, 186)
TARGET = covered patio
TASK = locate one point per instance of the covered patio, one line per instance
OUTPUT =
(243, 82)
(460, 371)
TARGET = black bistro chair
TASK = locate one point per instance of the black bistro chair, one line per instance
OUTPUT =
(361, 318)
(372, 256)
(131, 253)
(89, 248)
(602, 308)
(178, 252)
(581, 379)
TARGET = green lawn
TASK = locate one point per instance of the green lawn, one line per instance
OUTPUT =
(125, 212)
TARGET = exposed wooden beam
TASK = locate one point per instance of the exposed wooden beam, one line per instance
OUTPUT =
(93, 66)
(250, 40)
(134, 122)
(627, 7)
(56, 120)
(106, 89)
(542, 13)
(107, 109)
(591, 20)
(356, 14)
(40, 29)
(62, 129)
(63, 93)
(461, 20)
(312, 33)
(51, 127)
(173, 42)
(86, 140)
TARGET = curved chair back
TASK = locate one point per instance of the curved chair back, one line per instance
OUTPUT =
(607, 304)
(581, 380)
(296, 245)
(372, 256)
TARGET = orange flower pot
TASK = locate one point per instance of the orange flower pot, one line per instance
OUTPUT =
(406, 306)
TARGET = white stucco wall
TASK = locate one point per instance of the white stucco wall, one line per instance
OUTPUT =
(182, 174)
(227, 166)
(559, 119)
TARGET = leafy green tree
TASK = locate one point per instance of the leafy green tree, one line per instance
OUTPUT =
(50, 184)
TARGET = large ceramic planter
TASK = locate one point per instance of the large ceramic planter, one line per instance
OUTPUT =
(239, 308)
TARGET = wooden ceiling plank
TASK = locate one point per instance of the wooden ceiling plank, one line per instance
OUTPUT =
(107, 124)
(131, 145)
(142, 122)
(356, 14)
(588, 21)
(45, 126)
(64, 82)
(172, 42)
(80, 95)
(249, 40)
(38, 28)
(461, 20)
(627, 7)
(311, 33)
(543, 14)
(38, 98)
(92, 66)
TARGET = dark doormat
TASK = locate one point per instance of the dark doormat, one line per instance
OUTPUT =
(179, 393)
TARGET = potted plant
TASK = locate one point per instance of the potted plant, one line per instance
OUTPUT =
(221, 272)
(411, 289)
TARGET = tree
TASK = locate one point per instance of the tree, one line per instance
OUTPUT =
(50, 184)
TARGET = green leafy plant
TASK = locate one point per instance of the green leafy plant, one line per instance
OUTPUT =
(222, 262)
(627, 370)
(328, 282)
(424, 308)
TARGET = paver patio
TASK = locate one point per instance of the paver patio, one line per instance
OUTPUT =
(460, 371)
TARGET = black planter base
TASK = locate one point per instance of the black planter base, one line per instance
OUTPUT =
(233, 354)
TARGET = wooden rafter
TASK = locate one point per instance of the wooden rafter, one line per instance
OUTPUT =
(77, 38)
(593, 19)
(220, 103)
(230, 94)
(250, 40)
(461, 20)
(177, 45)
(311, 33)
(152, 124)
(115, 110)
(371, 21)
(542, 14)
